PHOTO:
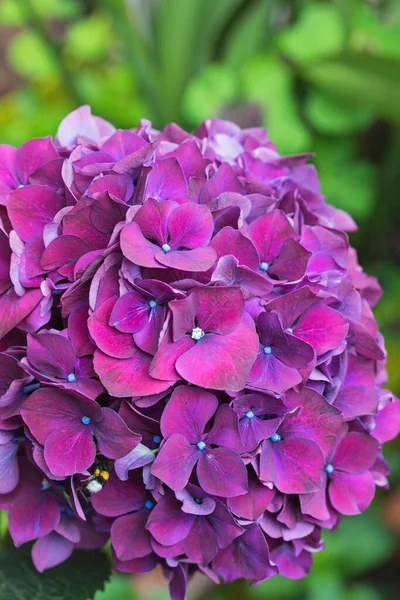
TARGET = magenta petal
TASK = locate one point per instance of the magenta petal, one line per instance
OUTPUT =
(269, 232)
(175, 461)
(229, 241)
(114, 438)
(252, 505)
(223, 180)
(167, 523)
(51, 354)
(166, 181)
(299, 465)
(291, 263)
(50, 551)
(218, 361)
(356, 402)
(201, 544)
(69, 450)
(163, 363)
(270, 374)
(30, 208)
(225, 430)
(247, 557)
(315, 504)
(120, 497)
(351, 494)
(128, 376)
(197, 260)
(35, 516)
(356, 453)
(107, 338)
(190, 226)
(219, 309)
(50, 409)
(322, 327)
(387, 422)
(130, 313)
(129, 537)
(221, 472)
(137, 248)
(188, 412)
(62, 251)
(14, 309)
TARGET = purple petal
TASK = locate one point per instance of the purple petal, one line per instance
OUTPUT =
(113, 437)
(355, 453)
(137, 248)
(190, 226)
(268, 234)
(167, 523)
(166, 181)
(322, 327)
(109, 340)
(197, 260)
(69, 450)
(30, 208)
(14, 309)
(128, 376)
(351, 494)
(188, 412)
(223, 180)
(225, 430)
(252, 504)
(229, 241)
(120, 497)
(221, 472)
(198, 365)
(129, 536)
(51, 353)
(175, 461)
(50, 551)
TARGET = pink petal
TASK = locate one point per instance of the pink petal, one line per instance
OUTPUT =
(128, 376)
(30, 208)
(175, 461)
(351, 494)
(137, 248)
(218, 361)
(70, 450)
(322, 327)
(107, 338)
(197, 260)
(221, 472)
(14, 309)
(50, 551)
(51, 353)
(190, 226)
(356, 453)
(187, 412)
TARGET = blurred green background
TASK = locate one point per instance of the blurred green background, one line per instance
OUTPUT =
(321, 76)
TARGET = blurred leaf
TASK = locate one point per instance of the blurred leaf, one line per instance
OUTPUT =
(360, 543)
(118, 588)
(206, 95)
(373, 34)
(277, 587)
(330, 582)
(3, 524)
(77, 579)
(363, 592)
(29, 57)
(251, 32)
(269, 82)
(10, 13)
(368, 81)
(89, 39)
(318, 32)
(333, 117)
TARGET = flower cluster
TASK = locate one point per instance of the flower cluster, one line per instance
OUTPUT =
(189, 363)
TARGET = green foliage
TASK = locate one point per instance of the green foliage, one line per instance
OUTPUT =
(77, 579)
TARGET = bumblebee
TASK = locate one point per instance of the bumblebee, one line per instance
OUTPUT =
(100, 474)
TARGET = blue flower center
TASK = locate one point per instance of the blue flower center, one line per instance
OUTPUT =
(166, 247)
(249, 414)
(264, 266)
(275, 437)
(152, 303)
(71, 378)
(201, 445)
(197, 334)
(86, 420)
(149, 504)
(198, 500)
(157, 439)
(267, 350)
(329, 468)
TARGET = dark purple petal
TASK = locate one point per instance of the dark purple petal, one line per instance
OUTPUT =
(50, 551)
(129, 537)
(187, 412)
(221, 472)
(167, 523)
(175, 461)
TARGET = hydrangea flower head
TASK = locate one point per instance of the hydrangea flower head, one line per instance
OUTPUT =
(189, 361)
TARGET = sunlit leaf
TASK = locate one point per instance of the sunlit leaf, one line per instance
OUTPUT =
(29, 57)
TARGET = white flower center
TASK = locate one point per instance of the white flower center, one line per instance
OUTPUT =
(197, 334)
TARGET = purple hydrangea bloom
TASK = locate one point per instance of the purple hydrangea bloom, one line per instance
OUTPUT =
(189, 362)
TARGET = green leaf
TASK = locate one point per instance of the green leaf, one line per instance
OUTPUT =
(334, 117)
(89, 39)
(77, 579)
(361, 543)
(206, 95)
(277, 587)
(366, 82)
(251, 32)
(118, 588)
(269, 83)
(318, 32)
(3, 524)
(29, 57)
(330, 582)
